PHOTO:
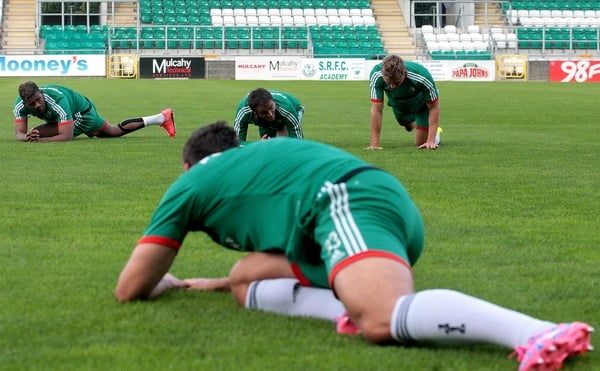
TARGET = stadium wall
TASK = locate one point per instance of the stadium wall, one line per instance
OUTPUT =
(288, 68)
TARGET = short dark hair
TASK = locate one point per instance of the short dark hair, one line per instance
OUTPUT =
(259, 97)
(27, 90)
(212, 138)
(393, 68)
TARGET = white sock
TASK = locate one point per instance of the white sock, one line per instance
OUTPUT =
(287, 296)
(157, 119)
(450, 317)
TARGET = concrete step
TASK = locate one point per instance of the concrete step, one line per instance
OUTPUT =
(393, 29)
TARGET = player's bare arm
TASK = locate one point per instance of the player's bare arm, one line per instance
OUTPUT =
(146, 267)
(21, 133)
(376, 122)
(55, 132)
(208, 284)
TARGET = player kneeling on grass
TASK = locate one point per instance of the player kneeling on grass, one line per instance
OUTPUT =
(68, 114)
(413, 96)
(332, 235)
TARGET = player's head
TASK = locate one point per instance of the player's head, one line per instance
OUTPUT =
(261, 103)
(32, 96)
(393, 71)
(212, 138)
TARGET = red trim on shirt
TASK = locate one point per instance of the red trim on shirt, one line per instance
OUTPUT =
(422, 128)
(106, 124)
(63, 123)
(20, 121)
(299, 275)
(160, 240)
(367, 254)
(375, 100)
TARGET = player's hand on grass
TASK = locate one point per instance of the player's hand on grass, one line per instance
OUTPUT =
(168, 282)
(208, 284)
(32, 136)
(428, 145)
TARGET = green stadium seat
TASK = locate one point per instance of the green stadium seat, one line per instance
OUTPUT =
(194, 19)
(158, 19)
(81, 28)
(44, 30)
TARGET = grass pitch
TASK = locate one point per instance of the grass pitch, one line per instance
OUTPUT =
(509, 201)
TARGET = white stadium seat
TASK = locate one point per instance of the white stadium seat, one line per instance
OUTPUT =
(299, 20)
(334, 19)
(500, 40)
(476, 37)
(357, 20)
(468, 45)
(453, 37)
(445, 46)
(355, 11)
(369, 20)
(450, 29)
(480, 45)
(346, 20)
(366, 12)
(433, 46)
(276, 20)
(426, 29)
(216, 20)
(264, 20)
(442, 37)
(309, 12)
(252, 20)
(473, 28)
(429, 37)
(322, 20)
(511, 40)
(228, 20)
(310, 20)
(465, 37)
(287, 20)
(240, 20)
(456, 45)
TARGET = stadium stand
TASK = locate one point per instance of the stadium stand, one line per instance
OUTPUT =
(238, 25)
(450, 43)
(556, 25)
(533, 27)
(69, 39)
